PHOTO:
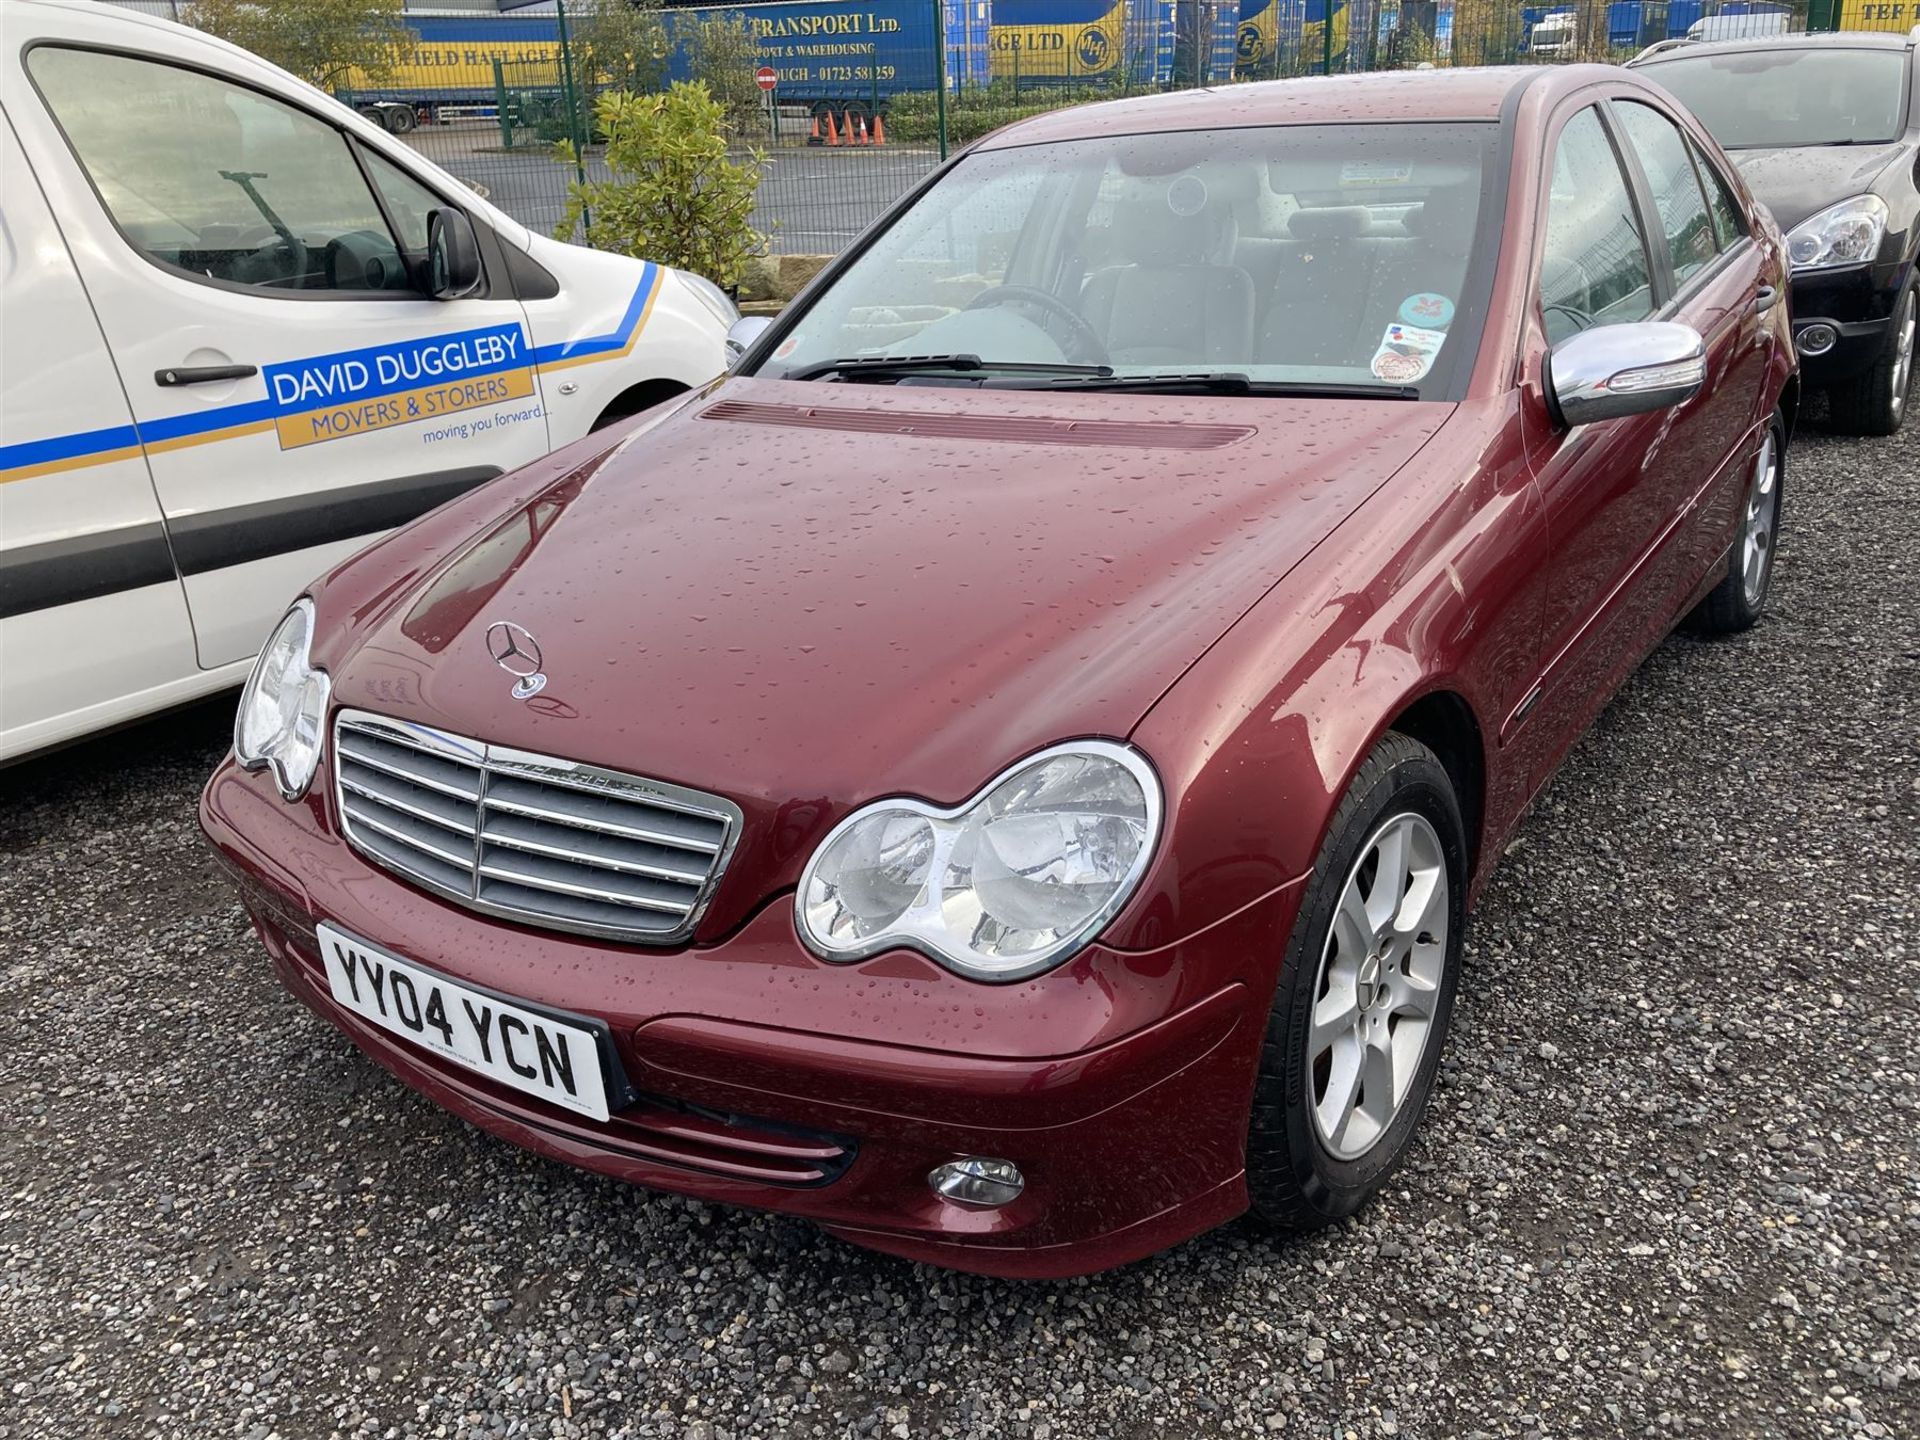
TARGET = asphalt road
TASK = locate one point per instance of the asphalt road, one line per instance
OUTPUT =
(812, 200)
(1669, 1185)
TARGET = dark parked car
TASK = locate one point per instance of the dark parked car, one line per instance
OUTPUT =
(1003, 773)
(1826, 132)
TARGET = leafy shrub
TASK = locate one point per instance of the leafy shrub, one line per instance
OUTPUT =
(913, 117)
(675, 196)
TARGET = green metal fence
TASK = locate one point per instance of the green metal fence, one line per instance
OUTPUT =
(850, 102)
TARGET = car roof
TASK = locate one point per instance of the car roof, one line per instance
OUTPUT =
(1405, 95)
(1826, 40)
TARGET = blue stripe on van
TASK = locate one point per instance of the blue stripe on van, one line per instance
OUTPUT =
(65, 447)
(615, 339)
(83, 443)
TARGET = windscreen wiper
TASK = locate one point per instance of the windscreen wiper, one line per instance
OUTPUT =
(1231, 382)
(881, 367)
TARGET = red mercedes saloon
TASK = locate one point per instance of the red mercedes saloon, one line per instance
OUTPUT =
(1002, 774)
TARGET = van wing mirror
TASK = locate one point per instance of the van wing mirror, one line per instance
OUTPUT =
(453, 255)
(1616, 370)
(741, 335)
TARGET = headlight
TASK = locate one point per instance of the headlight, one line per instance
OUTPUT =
(715, 298)
(283, 710)
(1847, 234)
(1009, 884)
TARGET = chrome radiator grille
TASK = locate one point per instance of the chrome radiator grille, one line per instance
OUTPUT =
(544, 841)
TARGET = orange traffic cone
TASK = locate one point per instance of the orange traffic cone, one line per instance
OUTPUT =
(833, 131)
(814, 138)
(879, 131)
(863, 132)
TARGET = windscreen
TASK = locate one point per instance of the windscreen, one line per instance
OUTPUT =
(1333, 255)
(1776, 99)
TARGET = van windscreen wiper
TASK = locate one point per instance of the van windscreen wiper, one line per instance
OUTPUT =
(882, 367)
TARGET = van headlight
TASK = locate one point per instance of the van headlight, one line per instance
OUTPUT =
(1846, 234)
(1013, 882)
(712, 296)
(283, 710)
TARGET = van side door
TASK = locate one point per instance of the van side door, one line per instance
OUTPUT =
(256, 270)
(93, 624)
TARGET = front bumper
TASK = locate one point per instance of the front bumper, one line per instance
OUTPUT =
(1857, 302)
(1119, 1085)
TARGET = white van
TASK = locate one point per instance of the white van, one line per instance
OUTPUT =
(242, 333)
(1556, 33)
(1749, 26)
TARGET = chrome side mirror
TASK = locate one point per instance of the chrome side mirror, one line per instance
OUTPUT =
(1616, 370)
(741, 335)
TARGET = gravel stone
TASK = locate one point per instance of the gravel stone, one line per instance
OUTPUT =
(1702, 1218)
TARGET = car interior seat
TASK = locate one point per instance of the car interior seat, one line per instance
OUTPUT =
(1178, 299)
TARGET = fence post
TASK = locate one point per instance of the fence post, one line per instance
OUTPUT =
(940, 70)
(500, 106)
(571, 94)
(1326, 37)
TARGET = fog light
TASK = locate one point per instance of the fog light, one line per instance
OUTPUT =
(977, 1181)
(1816, 339)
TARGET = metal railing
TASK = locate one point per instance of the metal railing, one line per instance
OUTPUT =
(850, 102)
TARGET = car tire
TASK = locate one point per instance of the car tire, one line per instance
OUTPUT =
(1875, 403)
(1309, 1162)
(1737, 602)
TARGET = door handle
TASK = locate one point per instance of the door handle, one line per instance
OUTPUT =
(1765, 298)
(203, 374)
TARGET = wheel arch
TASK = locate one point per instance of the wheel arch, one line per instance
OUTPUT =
(1444, 722)
(635, 398)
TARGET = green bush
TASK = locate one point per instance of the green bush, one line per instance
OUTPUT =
(913, 117)
(675, 197)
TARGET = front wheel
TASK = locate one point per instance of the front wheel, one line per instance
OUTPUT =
(1365, 993)
(1876, 402)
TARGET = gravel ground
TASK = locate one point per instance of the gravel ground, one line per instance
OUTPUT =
(1670, 1183)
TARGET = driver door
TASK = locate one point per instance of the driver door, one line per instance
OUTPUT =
(250, 264)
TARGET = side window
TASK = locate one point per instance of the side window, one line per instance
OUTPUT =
(1675, 186)
(218, 180)
(1729, 224)
(1594, 269)
(408, 202)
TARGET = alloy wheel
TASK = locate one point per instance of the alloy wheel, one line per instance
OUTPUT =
(1903, 356)
(1378, 985)
(1763, 511)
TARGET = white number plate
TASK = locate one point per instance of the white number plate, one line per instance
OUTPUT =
(519, 1047)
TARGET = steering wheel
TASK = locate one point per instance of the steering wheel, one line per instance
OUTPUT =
(1083, 342)
(281, 261)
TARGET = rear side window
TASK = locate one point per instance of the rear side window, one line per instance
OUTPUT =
(1729, 225)
(1594, 268)
(1677, 196)
(218, 180)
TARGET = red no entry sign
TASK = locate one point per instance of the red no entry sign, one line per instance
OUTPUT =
(765, 78)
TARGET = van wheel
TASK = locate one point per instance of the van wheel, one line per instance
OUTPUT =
(1365, 993)
(1876, 402)
(1736, 603)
